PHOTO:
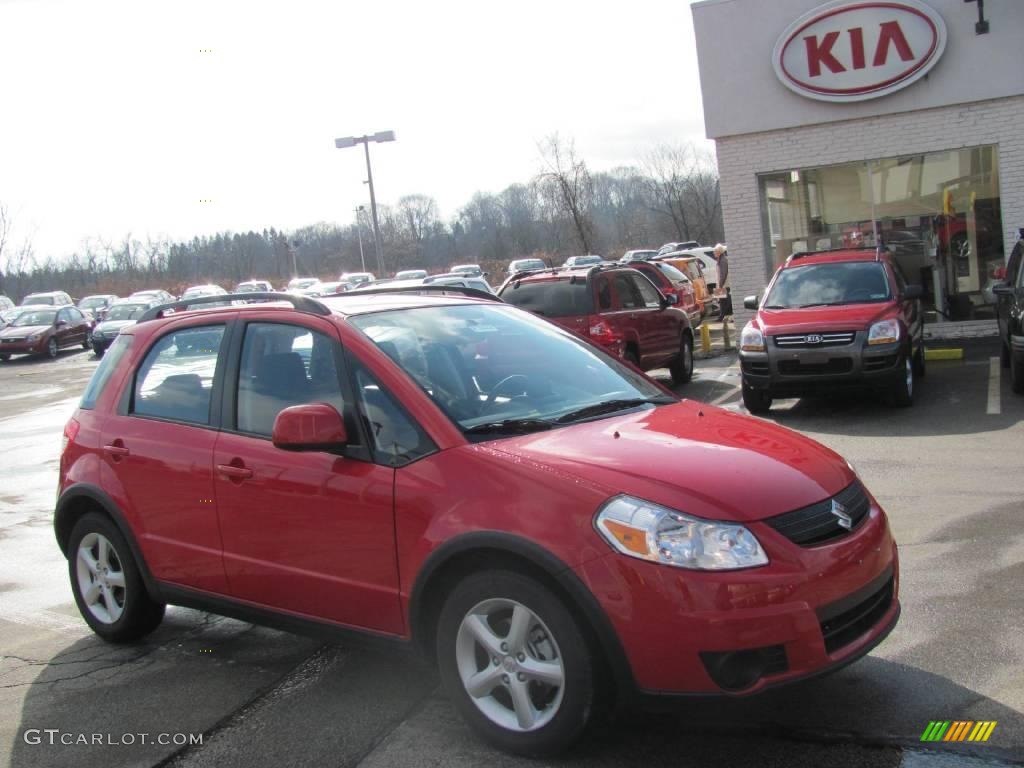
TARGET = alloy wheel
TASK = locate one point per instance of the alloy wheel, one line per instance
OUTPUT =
(510, 665)
(101, 578)
(51, 347)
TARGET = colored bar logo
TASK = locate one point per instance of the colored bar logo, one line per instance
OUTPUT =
(958, 730)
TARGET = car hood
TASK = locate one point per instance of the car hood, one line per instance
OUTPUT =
(691, 457)
(847, 317)
(112, 325)
(23, 330)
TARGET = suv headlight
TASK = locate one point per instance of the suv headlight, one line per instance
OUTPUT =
(751, 340)
(884, 332)
(652, 532)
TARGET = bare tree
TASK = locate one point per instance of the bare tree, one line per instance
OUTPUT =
(683, 182)
(418, 214)
(567, 174)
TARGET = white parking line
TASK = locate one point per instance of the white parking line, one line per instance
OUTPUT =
(993, 408)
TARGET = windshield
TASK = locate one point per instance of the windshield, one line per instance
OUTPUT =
(584, 260)
(493, 364)
(92, 301)
(42, 317)
(126, 311)
(817, 285)
(674, 275)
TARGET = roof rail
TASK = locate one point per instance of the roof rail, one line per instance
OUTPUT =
(473, 293)
(301, 303)
(876, 248)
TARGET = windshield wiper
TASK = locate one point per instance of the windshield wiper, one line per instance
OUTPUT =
(773, 306)
(610, 406)
(509, 426)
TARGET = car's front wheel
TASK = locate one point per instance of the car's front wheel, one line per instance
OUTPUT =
(107, 583)
(902, 388)
(1017, 374)
(515, 663)
(87, 341)
(919, 366)
(756, 400)
(51, 347)
(682, 367)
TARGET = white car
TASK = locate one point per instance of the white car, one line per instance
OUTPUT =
(472, 270)
(582, 261)
(707, 262)
(411, 274)
(254, 286)
(521, 265)
(195, 291)
(356, 278)
(645, 255)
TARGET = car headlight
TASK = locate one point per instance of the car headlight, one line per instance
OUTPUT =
(884, 332)
(652, 532)
(34, 337)
(751, 340)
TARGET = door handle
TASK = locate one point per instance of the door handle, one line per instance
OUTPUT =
(234, 472)
(116, 450)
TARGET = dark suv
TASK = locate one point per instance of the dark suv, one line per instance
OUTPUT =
(832, 319)
(615, 307)
(1010, 311)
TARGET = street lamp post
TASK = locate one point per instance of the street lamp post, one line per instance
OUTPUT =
(359, 231)
(351, 141)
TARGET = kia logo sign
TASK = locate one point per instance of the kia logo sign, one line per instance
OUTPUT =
(851, 51)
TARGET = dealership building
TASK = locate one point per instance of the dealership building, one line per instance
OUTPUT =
(859, 123)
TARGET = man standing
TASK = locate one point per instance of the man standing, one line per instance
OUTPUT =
(722, 289)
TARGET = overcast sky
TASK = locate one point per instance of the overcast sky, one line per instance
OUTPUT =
(114, 121)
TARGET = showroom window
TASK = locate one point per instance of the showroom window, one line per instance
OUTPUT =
(939, 213)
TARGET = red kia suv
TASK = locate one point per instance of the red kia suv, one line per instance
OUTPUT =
(450, 473)
(613, 306)
(833, 319)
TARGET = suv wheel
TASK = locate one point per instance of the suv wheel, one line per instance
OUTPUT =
(919, 369)
(1017, 374)
(107, 584)
(756, 400)
(51, 347)
(902, 393)
(682, 367)
(515, 663)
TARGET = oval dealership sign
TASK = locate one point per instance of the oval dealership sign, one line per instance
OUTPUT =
(850, 50)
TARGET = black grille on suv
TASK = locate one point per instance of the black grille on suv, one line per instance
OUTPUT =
(818, 523)
(842, 623)
(815, 340)
(832, 365)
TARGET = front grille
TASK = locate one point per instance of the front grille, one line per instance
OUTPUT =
(841, 625)
(11, 340)
(818, 523)
(798, 368)
(817, 340)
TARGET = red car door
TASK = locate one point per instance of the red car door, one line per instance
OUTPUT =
(311, 533)
(157, 458)
(65, 329)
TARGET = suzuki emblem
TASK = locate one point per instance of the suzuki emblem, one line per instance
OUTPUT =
(844, 520)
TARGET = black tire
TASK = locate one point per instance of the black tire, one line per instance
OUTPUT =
(579, 698)
(682, 367)
(140, 614)
(1017, 374)
(756, 400)
(901, 392)
(87, 341)
(1004, 354)
(630, 356)
(98, 351)
(52, 348)
(919, 366)
(5, 358)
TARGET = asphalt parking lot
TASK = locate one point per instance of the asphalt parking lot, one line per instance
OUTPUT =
(947, 471)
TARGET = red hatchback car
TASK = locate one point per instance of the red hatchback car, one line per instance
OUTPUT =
(616, 307)
(833, 319)
(454, 474)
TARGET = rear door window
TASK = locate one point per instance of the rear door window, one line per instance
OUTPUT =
(101, 376)
(175, 380)
(626, 292)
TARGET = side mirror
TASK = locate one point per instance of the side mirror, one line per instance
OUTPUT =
(913, 292)
(669, 300)
(750, 302)
(61, 323)
(1002, 289)
(312, 427)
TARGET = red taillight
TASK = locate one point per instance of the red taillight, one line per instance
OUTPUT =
(601, 332)
(70, 433)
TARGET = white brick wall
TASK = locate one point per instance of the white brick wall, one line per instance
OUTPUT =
(998, 122)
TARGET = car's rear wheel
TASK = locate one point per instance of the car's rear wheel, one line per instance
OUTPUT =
(1017, 374)
(107, 583)
(756, 400)
(51, 347)
(515, 663)
(682, 367)
(87, 341)
(919, 367)
(902, 391)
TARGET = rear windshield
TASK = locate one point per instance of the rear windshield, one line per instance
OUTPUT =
(551, 298)
(822, 285)
(37, 298)
(674, 275)
(104, 370)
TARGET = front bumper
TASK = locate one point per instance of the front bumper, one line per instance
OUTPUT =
(800, 370)
(810, 610)
(25, 347)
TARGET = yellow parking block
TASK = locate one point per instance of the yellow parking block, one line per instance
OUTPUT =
(943, 354)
